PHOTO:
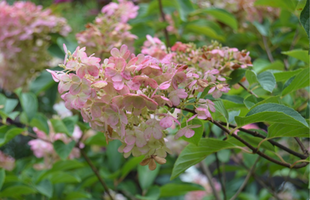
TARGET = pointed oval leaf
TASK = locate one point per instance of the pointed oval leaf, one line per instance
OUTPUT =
(272, 113)
(7, 133)
(62, 149)
(267, 80)
(178, 189)
(29, 104)
(146, 177)
(284, 130)
(300, 81)
(2, 177)
(193, 154)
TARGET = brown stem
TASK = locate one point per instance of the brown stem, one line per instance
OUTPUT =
(249, 91)
(256, 178)
(294, 40)
(245, 180)
(36, 137)
(267, 49)
(254, 150)
(208, 174)
(220, 176)
(302, 147)
(164, 20)
(256, 134)
(96, 173)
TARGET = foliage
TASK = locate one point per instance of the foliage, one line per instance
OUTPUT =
(201, 91)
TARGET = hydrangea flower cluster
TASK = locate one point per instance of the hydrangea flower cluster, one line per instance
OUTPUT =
(43, 146)
(6, 162)
(243, 10)
(24, 39)
(131, 97)
(43, 149)
(214, 60)
(110, 29)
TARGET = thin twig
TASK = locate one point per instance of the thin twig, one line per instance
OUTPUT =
(256, 178)
(294, 40)
(96, 173)
(249, 91)
(164, 20)
(254, 150)
(220, 175)
(256, 134)
(208, 174)
(267, 49)
(245, 180)
(36, 137)
(87, 160)
(302, 147)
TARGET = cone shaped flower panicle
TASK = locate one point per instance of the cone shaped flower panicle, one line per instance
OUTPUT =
(132, 97)
(25, 36)
(110, 29)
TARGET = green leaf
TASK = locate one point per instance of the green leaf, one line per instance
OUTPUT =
(300, 81)
(146, 177)
(7, 133)
(10, 105)
(17, 190)
(70, 122)
(284, 76)
(267, 80)
(206, 28)
(250, 101)
(97, 139)
(13, 115)
(223, 16)
(268, 100)
(2, 101)
(62, 149)
(43, 82)
(40, 121)
(299, 54)
(130, 165)
(251, 77)
(45, 187)
(224, 155)
(193, 154)
(236, 76)
(56, 51)
(261, 28)
(219, 107)
(233, 98)
(63, 177)
(198, 131)
(272, 113)
(305, 19)
(284, 130)
(59, 126)
(260, 64)
(63, 165)
(178, 189)
(29, 104)
(286, 4)
(114, 157)
(184, 7)
(77, 195)
(2, 177)
(153, 193)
